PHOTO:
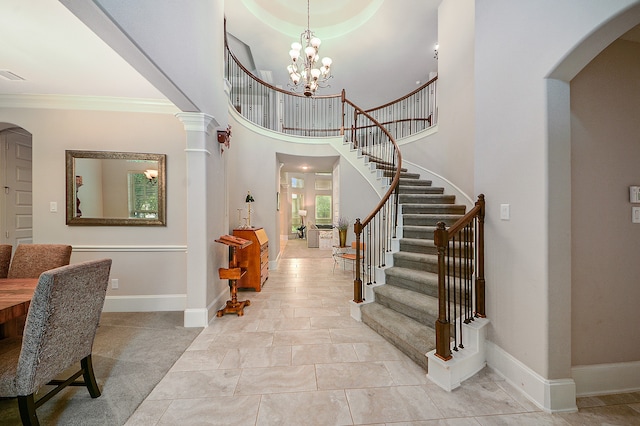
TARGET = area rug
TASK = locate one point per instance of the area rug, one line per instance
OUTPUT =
(131, 353)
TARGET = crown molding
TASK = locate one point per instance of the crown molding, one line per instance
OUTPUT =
(96, 103)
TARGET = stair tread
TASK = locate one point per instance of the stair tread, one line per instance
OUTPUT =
(411, 337)
(413, 299)
(413, 274)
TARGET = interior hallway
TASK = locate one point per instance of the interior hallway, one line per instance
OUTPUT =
(296, 357)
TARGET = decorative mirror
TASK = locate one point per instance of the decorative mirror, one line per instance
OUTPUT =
(115, 188)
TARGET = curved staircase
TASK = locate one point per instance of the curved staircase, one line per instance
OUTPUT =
(406, 306)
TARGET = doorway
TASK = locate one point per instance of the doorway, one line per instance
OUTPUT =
(16, 203)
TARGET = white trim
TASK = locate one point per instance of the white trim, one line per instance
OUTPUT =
(96, 103)
(129, 248)
(145, 303)
(552, 396)
(603, 379)
(466, 362)
(196, 317)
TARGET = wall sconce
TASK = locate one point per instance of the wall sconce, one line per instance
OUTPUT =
(224, 137)
(152, 175)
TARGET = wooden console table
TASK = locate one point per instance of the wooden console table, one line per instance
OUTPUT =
(256, 256)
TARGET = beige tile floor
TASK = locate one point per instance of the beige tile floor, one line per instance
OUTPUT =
(297, 358)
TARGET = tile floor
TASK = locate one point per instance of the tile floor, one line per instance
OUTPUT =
(297, 358)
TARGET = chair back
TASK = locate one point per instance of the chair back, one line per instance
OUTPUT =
(30, 260)
(62, 322)
(5, 259)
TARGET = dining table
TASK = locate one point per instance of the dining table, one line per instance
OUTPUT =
(15, 297)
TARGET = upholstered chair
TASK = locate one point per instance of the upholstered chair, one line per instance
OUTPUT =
(30, 260)
(59, 332)
(5, 259)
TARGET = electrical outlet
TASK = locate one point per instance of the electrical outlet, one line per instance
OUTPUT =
(114, 283)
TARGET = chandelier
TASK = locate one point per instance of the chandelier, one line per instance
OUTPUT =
(302, 70)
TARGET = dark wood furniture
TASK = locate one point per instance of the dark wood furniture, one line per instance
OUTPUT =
(256, 256)
(15, 297)
(233, 273)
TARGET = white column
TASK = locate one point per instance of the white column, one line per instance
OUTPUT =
(200, 130)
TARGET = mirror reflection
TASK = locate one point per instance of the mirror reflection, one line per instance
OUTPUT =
(115, 188)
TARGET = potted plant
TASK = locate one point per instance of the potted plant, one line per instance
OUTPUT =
(342, 225)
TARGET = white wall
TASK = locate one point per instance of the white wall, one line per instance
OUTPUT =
(521, 120)
(148, 261)
(450, 151)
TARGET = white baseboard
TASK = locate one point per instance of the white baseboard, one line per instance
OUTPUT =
(604, 379)
(552, 396)
(145, 303)
(466, 362)
(196, 317)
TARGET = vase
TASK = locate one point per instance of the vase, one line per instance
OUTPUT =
(343, 237)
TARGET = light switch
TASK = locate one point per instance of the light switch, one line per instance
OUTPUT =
(53, 207)
(505, 213)
(635, 214)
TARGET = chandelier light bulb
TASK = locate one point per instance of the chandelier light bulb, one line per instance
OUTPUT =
(326, 62)
(315, 42)
(296, 46)
(294, 54)
(315, 73)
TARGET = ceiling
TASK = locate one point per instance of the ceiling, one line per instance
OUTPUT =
(55, 53)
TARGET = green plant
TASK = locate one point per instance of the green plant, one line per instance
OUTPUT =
(342, 223)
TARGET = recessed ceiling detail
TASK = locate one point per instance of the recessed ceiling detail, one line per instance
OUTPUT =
(329, 18)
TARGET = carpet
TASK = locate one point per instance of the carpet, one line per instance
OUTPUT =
(131, 353)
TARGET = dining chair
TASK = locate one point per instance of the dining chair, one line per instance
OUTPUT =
(349, 255)
(61, 325)
(30, 260)
(5, 259)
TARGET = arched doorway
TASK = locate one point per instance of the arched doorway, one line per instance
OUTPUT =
(16, 218)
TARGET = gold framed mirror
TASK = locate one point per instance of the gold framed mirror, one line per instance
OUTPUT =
(105, 188)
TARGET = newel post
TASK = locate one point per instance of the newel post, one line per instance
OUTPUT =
(443, 329)
(480, 284)
(357, 283)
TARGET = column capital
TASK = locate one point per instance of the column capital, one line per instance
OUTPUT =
(197, 122)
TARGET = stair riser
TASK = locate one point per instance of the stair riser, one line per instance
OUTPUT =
(415, 182)
(416, 248)
(403, 175)
(420, 190)
(427, 220)
(426, 234)
(428, 288)
(433, 209)
(427, 266)
(425, 199)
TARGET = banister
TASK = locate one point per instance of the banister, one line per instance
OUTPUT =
(388, 104)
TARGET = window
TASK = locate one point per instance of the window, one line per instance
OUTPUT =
(323, 209)
(143, 196)
(297, 183)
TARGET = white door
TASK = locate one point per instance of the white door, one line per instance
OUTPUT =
(16, 221)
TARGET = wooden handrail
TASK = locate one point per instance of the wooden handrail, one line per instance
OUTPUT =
(424, 86)
(443, 237)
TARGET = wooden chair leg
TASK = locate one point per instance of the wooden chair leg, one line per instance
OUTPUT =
(89, 377)
(27, 406)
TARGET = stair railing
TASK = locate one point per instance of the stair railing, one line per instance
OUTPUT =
(460, 261)
(411, 113)
(378, 228)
